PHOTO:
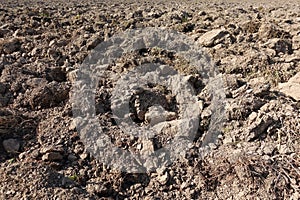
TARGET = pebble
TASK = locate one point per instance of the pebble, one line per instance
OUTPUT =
(52, 156)
(72, 125)
(11, 145)
(83, 156)
(163, 179)
(296, 42)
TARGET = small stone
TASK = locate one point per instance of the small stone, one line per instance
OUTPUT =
(184, 185)
(148, 147)
(212, 37)
(23, 155)
(83, 156)
(11, 145)
(157, 114)
(268, 149)
(52, 156)
(52, 43)
(35, 153)
(227, 140)
(51, 148)
(72, 125)
(201, 105)
(72, 157)
(296, 42)
(139, 146)
(252, 117)
(206, 113)
(292, 87)
(86, 36)
(164, 178)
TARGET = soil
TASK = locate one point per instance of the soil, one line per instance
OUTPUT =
(254, 45)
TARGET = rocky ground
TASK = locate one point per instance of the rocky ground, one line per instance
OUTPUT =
(256, 47)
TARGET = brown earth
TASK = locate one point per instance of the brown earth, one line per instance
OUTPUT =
(255, 46)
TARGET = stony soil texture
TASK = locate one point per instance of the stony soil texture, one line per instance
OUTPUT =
(254, 45)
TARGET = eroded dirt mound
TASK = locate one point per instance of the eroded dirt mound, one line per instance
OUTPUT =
(255, 46)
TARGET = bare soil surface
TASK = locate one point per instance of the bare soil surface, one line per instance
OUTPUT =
(255, 46)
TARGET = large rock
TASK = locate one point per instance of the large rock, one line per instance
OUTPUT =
(292, 87)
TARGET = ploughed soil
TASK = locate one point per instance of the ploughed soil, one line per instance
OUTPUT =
(254, 45)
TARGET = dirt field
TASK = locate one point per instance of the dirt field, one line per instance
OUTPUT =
(254, 47)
